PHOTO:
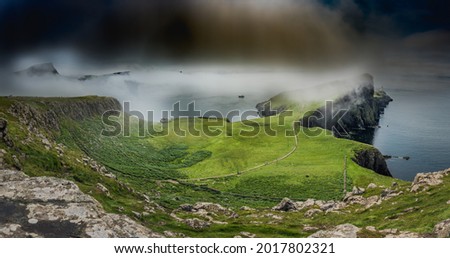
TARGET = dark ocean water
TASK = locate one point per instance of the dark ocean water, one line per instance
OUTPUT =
(416, 124)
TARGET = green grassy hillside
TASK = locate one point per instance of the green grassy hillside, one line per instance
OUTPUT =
(160, 172)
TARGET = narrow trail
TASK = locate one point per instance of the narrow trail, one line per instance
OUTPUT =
(257, 166)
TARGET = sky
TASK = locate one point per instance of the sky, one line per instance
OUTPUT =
(294, 32)
(219, 49)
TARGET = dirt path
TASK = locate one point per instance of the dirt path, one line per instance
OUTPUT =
(255, 167)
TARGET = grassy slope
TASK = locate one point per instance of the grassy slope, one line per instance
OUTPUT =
(314, 170)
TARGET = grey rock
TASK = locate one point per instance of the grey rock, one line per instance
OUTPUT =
(197, 223)
(246, 208)
(358, 190)
(356, 199)
(442, 229)
(328, 206)
(423, 181)
(319, 203)
(389, 193)
(137, 214)
(60, 208)
(14, 230)
(403, 234)
(103, 189)
(11, 175)
(340, 231)
(371, 186)
(309, 203)
(173, 234)
(391, 231)
(309, 228)
(247, 234)
(371, 228)
(33, 221)
(285, 205)
(212, 207)
(372, 200)
(312, 212)
(347, 195)
(4, 133)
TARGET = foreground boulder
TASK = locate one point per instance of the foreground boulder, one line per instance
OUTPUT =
(53, 207)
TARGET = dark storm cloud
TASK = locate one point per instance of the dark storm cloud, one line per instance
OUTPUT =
(289, 30)
(408, 16)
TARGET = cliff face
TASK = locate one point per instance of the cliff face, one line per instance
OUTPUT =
(357, 110)
(363, 107)
(47, 113)
(4, 133)
(372, 159)
(265, 109)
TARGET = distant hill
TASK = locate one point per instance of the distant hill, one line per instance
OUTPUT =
(103, 76)
(48, 69)
(39, 70)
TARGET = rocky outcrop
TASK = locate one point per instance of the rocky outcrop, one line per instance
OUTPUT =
(285, 205)
(266, 109)
(206, 207)
(212, 212)
(29, 113)
(423, 181)
(356, 111)
(442, 229)
(372, 159)
(197, 223)
(363, 107)
(312, 212)
(340, 231)
(53, 207)
(4, 133)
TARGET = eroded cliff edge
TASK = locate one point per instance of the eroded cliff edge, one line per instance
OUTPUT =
(361, 109)
(353, 112)
(363, 106)
(49, 112)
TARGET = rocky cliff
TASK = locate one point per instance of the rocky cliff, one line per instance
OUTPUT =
(372, 159)
(362, 105)
(355, 111)
(4, 133)
(48, 112)
(266, 109)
